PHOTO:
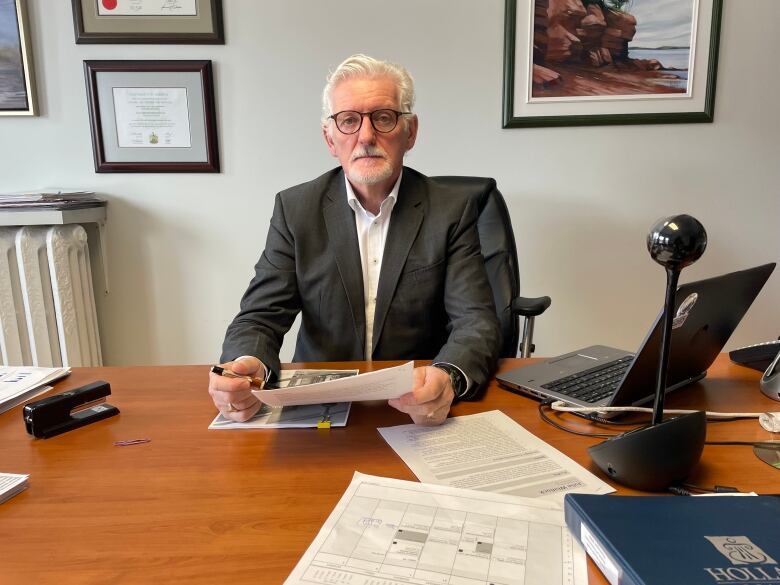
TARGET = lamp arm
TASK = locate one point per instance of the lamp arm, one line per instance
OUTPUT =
(672, 276)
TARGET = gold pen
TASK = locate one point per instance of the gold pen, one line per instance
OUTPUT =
(220, 371)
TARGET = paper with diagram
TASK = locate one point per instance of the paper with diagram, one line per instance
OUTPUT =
(398, 532)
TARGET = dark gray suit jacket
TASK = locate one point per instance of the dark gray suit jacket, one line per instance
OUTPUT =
(433, 299)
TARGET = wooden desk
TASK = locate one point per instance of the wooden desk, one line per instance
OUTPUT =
(211, 507)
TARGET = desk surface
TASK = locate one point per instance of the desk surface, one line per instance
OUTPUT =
(242, 506)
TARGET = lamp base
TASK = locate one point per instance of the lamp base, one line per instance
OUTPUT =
(654, 457)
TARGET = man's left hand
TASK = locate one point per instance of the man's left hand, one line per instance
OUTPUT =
(430, 399)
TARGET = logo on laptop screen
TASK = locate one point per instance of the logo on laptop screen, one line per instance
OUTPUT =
(685, 308)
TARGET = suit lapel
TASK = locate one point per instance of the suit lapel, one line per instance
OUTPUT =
(404, 225)
(342, 233)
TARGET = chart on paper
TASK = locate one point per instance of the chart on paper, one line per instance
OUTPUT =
(393, 534)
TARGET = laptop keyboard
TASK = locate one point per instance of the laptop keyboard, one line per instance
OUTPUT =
(594, 384)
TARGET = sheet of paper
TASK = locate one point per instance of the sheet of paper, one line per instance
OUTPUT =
(379, 385)
(289, 417)
(490, 452)
(21, 383)
(398, 532)
(11, 484)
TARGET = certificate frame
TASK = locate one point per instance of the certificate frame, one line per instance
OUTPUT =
(191, 122)
(525, 106)
(17, 78)
(109, 21)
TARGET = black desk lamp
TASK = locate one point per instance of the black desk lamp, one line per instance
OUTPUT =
(653, 457)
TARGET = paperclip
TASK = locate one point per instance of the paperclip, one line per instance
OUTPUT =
(131, 442)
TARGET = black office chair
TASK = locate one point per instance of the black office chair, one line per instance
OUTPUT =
(500, 253)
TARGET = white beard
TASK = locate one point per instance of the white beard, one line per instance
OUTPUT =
(371, 176)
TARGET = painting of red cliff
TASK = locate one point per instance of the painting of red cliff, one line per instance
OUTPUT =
(573, 62)
(611, 47)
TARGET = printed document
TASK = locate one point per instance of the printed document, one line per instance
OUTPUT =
(379, 385)
(398, 532)
(21, 383)
(490, 452)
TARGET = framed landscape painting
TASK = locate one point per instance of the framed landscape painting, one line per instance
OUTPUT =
(593, 62)
(17, 87)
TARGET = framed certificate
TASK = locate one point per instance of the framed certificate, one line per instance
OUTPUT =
(148, 21)
(152, 116)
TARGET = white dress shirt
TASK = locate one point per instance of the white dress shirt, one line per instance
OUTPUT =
(372, 235)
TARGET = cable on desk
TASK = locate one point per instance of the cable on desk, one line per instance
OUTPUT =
(687, 489)
(589, 413)
(609, 422)
(549, 421)
(768, 444)
(563, 406)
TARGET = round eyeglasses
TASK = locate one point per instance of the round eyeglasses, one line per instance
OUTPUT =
(349, 121)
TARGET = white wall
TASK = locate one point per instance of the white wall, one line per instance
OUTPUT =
(182, 246)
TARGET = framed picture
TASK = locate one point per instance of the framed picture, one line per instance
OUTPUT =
(595, 62)
(148, 21)
(152, 116)
(17, 83)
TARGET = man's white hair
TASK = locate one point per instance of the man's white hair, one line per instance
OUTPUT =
(360, 65)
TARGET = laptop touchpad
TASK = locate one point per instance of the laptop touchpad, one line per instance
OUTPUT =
(574, 362)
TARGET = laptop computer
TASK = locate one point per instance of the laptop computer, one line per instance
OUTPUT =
(706, 314)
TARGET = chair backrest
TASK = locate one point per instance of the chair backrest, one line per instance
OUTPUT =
(497, 240)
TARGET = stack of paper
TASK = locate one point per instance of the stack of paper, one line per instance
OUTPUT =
(21, 383)
(54, 197)
(11, 484)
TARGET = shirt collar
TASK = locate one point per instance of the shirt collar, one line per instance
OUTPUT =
(389, 201)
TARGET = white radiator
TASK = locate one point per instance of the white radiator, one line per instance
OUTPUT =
(47, 303)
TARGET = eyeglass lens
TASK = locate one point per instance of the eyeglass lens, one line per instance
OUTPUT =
(350, 122)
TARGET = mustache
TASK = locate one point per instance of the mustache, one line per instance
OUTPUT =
(363, 151)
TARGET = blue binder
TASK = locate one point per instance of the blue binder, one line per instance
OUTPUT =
(664, 540)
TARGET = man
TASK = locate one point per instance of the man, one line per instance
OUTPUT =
(368, 286)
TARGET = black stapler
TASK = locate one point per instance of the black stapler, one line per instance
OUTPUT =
(69, 410)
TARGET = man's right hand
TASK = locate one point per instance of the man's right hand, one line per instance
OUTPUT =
(232, 396)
